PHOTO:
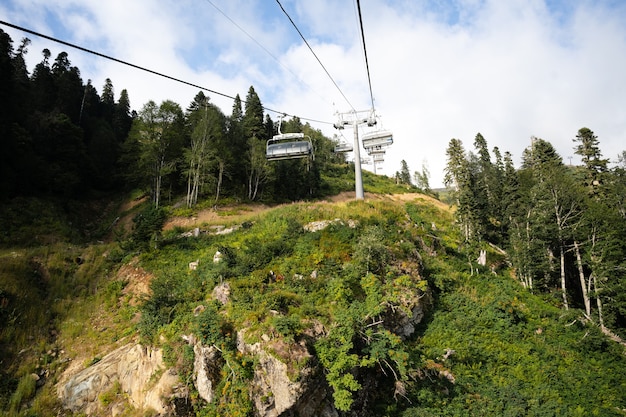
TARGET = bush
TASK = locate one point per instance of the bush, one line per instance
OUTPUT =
(147, 228)
(158, 310)
(211, 326)
(287, 326)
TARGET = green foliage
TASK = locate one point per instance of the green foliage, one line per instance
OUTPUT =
(335, 354)
(107, 397)
(512, 356)
(212, 328)
(287, 326)
(159, 309)
(24, 391)
(29, 222)
(147, 228)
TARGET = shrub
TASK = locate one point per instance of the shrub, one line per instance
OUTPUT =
(211, 327)
(287, 326)
(147, 228)
(371, 252)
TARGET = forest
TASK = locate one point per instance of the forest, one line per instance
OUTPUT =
(563, 227)
(63, 139)
(503, 295)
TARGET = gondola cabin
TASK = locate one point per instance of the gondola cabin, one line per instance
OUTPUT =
(288, 146)
(377, 138)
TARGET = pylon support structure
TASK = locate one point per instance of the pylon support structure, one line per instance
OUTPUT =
(354, 119)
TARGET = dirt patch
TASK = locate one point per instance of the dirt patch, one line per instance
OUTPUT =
(138, 281)
(417, 196)
(239, 213)
(212, 216)
(125, 222)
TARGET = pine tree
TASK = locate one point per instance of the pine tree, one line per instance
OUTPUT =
(405, 174)
(108, 100)
(458, 175)
(484, 187)
(589, 150)
(122, 119)
(257, 168)
(237, 146)
(69, 87)
(253, 116)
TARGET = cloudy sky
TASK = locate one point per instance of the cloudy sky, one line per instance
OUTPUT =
(440, 69)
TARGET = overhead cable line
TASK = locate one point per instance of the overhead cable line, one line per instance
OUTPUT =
(314, 54)
(264, 48)
(145, 69)
(367, 66)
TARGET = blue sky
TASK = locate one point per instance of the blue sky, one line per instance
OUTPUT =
(441, 69)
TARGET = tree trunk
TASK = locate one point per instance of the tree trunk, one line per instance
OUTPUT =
(257, 180)
(189, 187)
(220, 176)
(598, 301)
(250, 185)
(528, 239)
(583, 281)
(563, 286)
(196, 184)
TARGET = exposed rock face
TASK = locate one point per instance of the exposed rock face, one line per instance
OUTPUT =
(287, 382)
(402, 319)
(277, 392)
(207, 365)
(221, 292)
(134, 367)
(403, 322)
(323, 224)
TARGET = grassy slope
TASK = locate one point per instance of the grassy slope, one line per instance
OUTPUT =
(514, 352)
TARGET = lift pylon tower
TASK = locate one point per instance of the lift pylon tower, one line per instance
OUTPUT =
(354, 119)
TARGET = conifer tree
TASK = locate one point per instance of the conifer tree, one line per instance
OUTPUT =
(257, 168)
(253, 116)
(237, 145)
(458, 176)
(595, 166)
(483, 187)
(122, 118)
(405, 174)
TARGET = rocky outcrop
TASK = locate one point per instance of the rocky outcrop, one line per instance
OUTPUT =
(221, 292)
(323, 224)
(207, 365)
(134, 370)
(402, 319)
(287, 380)
(278, 388)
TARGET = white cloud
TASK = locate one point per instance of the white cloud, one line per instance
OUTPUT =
(506, 69)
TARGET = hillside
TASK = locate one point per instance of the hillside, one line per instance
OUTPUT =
(336, 307)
